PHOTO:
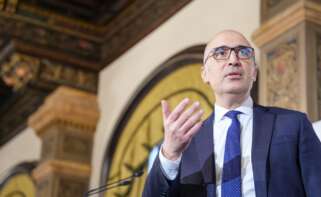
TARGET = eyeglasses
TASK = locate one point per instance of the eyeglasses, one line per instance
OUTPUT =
(224, 52)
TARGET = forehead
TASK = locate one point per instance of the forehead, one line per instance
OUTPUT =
(230, 39)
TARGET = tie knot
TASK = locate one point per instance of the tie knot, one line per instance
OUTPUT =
(233, 114)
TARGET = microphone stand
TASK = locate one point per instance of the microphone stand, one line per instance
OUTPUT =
(118, 183)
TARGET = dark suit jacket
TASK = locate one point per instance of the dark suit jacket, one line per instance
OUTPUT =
(286, 159)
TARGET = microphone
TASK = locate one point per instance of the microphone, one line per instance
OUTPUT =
(118, 183)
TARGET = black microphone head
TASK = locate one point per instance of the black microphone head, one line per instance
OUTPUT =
(125, 182)
(139, 173)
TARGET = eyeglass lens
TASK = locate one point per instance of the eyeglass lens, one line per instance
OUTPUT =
(223, 52)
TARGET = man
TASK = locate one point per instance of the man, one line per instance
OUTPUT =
(242, 149)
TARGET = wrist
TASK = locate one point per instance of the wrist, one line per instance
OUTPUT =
(168, 155)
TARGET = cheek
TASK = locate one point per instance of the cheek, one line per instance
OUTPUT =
(215, 73)
(214, 76)
(253, 73)
(216, 70)
(250, 71)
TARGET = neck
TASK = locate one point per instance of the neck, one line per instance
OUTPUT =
(231, 101)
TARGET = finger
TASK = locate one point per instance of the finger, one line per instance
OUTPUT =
(190, 134)
(187, 114)
(165, 109)
(192, 121)
(178, 110)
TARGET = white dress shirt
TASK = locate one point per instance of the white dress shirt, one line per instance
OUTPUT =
(317, 128)
(221, 125)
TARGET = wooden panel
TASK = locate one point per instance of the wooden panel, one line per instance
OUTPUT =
(281, 71)
(270, 8)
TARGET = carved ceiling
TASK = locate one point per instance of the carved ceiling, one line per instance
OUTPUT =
(48, 43)
(93, 11)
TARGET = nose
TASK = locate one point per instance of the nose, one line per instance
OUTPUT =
(233, 59)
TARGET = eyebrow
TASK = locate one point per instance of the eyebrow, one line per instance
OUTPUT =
(231, 47)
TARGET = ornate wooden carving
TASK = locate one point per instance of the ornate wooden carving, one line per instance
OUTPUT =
(297, 13)
(2, 4)
(271, 8)
(66, 123)
(11, 6)
(273, 3)
(49, 146)
(32, 79)
(43, 187)
(19, 70)
(54, 178)
(75, 110)
(70, 50)
(99, 43)
(50, 39)
(69, 187)
(61, 74)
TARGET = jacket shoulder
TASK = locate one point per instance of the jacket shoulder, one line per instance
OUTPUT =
(281, 111)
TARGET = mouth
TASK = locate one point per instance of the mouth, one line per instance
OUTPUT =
(234, 75)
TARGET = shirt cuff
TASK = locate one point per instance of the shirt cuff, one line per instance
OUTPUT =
(169, 167)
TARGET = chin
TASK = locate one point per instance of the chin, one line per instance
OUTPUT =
(237, 90)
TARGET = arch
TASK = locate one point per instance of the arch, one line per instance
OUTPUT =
(125, 143)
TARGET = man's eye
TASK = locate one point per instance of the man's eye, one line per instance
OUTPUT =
(220, 52)
(245, 53)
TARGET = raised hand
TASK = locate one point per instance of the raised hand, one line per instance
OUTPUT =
(180, 126)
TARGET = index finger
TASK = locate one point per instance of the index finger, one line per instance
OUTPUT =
(178, 110)
(165, 109)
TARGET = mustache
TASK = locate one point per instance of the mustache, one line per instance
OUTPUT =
(233, 72)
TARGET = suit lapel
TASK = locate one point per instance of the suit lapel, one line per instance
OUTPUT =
(205, 147)
(197, 165)
(263, 123)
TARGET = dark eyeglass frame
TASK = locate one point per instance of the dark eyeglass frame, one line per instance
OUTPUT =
(230, 49)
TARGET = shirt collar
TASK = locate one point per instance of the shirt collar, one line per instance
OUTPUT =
(246, 108)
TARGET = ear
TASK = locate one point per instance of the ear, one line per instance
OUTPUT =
(255, 73)
(204, 74)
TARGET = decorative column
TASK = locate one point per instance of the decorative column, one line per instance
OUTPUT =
(289, 39)
(66, 123)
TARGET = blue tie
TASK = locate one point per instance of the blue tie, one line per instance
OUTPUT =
(231, 177)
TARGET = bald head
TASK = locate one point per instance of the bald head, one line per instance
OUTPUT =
(229, 38)
(230, 69)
